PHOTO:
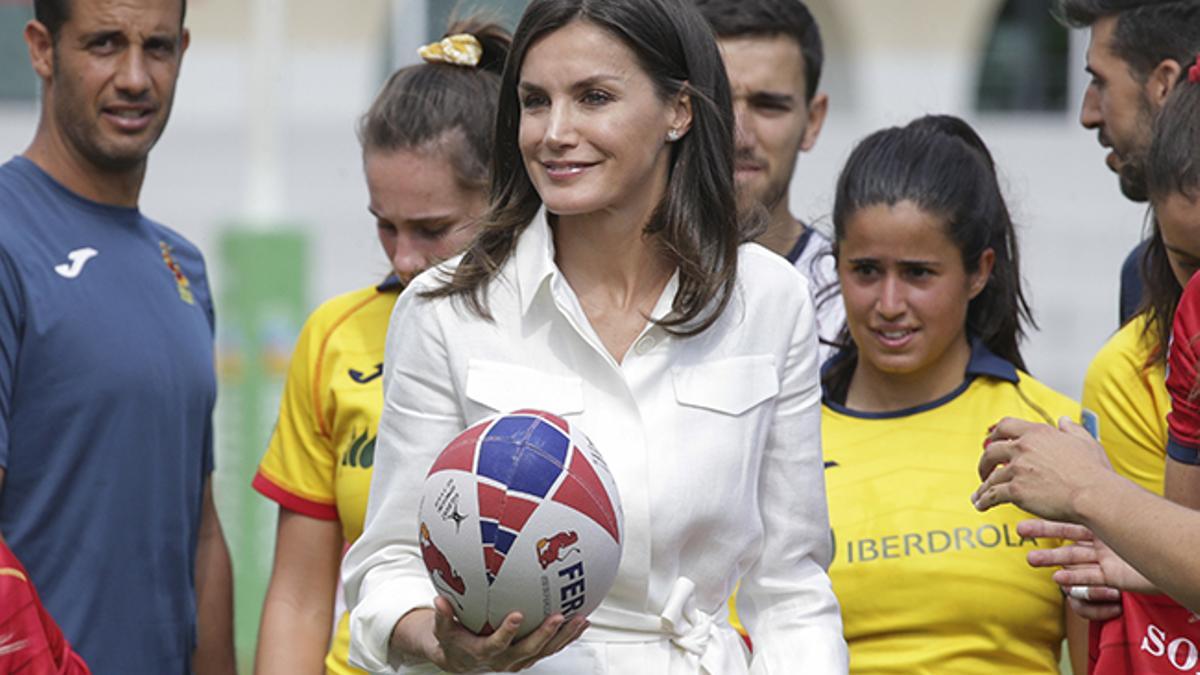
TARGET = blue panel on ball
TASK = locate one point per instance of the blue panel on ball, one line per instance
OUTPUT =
(487, 530)
(498, 450)
(524, 453)
(535, 474)
(504, 540)
(549, 440)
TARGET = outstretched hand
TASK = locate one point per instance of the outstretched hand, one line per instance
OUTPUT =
(1087, 561)
(1092, 575)
(1039, 468)
(455, 649)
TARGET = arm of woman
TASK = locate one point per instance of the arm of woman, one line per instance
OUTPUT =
(1157, 537)
(393, 622)
(786, 599)
(1061, 474)
(297, 618)
(1181, 483)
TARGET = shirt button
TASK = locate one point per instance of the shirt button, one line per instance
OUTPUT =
(644, 345)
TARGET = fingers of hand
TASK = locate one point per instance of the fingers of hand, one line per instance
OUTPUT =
(443, 618)
(461, 650)
(996, 453)
(1095, 611)
(1010, 428)
(1071, 554)
(996, 489)
(1083, 575)
(1103, 595)
(992, 496)
(1036, 527)
(529, 649)
(567, 634)
(503, 636)
(534, 642)
(1071, 427)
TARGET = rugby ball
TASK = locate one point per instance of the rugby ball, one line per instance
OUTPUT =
(520, 513)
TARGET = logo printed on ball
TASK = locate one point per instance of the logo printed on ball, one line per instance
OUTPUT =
(447, 505)
(552, 549)
(572, 595)
(438, 565)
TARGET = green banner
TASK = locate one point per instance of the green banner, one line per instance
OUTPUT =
(260, 308)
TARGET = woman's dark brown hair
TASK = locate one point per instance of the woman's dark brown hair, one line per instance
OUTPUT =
(697, 221)
(449, 107)
(1172, 167)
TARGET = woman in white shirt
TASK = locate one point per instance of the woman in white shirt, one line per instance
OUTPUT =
(610, 284)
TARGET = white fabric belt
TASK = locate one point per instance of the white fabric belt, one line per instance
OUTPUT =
(710, 644)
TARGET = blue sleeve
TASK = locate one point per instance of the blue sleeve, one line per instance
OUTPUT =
(1131, 282)
(12, 320)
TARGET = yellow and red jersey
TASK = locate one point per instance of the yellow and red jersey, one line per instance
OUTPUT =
(319, 459)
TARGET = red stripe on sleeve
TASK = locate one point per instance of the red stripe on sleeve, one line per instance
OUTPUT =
(1184, 418)
(291, 501)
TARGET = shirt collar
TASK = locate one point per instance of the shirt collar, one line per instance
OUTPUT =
(391, 283)
(534, 259)
(535, 267)
(984, 362)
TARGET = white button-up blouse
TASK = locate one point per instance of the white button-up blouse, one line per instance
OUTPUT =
(713, 440)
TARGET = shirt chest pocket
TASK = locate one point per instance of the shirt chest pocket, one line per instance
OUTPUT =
(504, 387)
(731, 386)
(722, 418)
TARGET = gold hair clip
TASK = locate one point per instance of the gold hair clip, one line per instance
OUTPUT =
(459, 50)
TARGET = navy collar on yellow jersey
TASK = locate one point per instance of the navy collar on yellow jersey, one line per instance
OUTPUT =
(982, 363)
(391, 283)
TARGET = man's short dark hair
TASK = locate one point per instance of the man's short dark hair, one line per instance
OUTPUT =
(1147, 32)
(750, 18)
(54, 13)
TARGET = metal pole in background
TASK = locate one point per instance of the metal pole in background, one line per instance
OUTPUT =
(265, 188)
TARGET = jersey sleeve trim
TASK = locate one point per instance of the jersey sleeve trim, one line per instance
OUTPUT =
(1182, 452)
(291, 501)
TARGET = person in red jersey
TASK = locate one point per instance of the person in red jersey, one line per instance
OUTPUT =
(31, 643)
